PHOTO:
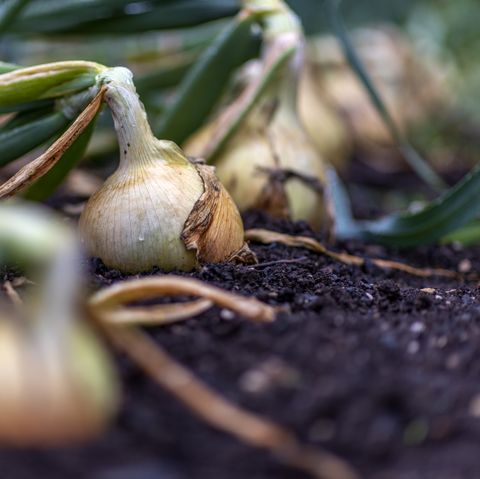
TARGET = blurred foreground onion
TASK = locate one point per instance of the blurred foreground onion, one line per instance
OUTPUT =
(158, 208)
(52, 394)
(57, 382)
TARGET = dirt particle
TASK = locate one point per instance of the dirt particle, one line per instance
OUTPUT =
(417, 327)
(428, 290)
(474, 408)
(465, 266)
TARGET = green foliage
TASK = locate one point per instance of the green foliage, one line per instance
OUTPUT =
(119, 17)
(355, 13)
(48, 183)
(467, 235)
(9, 11)
(28, 131)
(452, 210)
(206, 80)
(418, 164)
(23, 86)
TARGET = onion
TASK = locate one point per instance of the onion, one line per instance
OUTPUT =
(270, 162)
(158, 208)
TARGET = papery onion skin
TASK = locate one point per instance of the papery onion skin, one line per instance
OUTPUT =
(214, 228)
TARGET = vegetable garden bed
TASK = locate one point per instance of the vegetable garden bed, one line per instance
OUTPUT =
(376, 365)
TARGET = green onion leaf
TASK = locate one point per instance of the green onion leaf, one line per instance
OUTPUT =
(451, 211)
(98, 17)
(205, 82)
(21, 137)
(9, 11)
(417, 163)
(48, 183)
(50, 80)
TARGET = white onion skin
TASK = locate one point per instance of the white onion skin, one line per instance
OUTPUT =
(135, 221)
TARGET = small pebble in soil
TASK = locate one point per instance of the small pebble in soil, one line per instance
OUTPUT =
(465, 266)
(474, 408)
(417, 327)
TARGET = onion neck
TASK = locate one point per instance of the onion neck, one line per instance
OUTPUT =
(138, 146)
(282, 32)
(281, 18)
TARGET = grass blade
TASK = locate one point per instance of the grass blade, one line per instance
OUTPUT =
(205, 82)
(417, 163)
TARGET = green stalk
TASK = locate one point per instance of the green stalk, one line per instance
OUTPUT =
(45, 186)
(11, 9)
(206, 80)
(49, 80)
(16, 141)
(417, 163)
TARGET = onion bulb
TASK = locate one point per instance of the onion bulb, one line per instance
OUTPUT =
(158, 208)
(57, 381)
(265, 162)
(52, 393)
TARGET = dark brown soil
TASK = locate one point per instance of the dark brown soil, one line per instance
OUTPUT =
(363, 363)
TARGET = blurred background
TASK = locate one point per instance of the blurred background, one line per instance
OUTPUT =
(421, 56)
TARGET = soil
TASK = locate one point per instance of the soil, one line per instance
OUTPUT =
(378, 366)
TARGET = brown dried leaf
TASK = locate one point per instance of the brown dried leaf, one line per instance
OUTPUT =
(267, 237)
(214, 227)
(110, 298)
(41, 165)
